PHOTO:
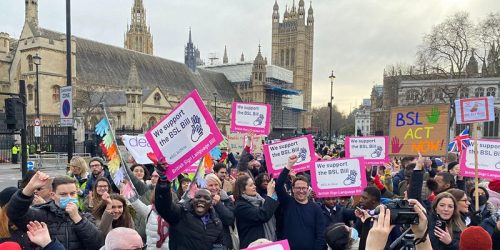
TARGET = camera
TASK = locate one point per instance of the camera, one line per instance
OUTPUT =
(401, 212)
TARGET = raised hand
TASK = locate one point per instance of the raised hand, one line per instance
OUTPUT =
(396, 147)
(72, 210)
(160, 165)
(197, 129)
(291, 161)
(38, 233)
(433, 117)
(377, 237)
(420, 162)
(271, 187)
(39, 180)
(38, 200)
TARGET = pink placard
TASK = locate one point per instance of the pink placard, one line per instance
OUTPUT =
(488, 159)
(251, 116)
(342, 177)
(373, 149)
(278, 245)
(184, 135)
(277, 154)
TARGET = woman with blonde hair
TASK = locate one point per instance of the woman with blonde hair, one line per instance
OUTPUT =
(445, 223)
(79, 171)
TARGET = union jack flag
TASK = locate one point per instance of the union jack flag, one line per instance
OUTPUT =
(462, 141)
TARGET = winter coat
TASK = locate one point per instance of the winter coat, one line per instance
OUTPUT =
(151, 217)
(338, 214)
(436, 243)
(494, 198)
(92, 179)
(82, 235)
(106, 223)
(250, 219)
(225, 211)
(187, 230)
(54, 245)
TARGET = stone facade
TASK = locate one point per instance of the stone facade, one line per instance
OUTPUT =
(362, 119)
(138, 37)
(292, 48)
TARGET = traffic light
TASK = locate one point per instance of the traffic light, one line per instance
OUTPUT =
(14, 113)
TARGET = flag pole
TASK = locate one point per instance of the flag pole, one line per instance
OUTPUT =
(476, 174)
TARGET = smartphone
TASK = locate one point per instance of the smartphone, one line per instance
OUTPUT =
(441, 224)
(373, 171)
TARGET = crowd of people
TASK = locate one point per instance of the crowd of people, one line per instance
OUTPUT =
(237, 204)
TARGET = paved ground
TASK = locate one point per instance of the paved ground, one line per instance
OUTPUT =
(11, 173)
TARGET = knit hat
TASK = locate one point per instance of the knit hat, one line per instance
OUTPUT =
(494, 186)
(6, 194)
(471, 193)
(475, 238)
(452, 165)
(10, 245)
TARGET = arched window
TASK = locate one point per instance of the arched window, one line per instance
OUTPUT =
(55, 93)
(151, 122)
(30, 92)
(464, 93)
(412, 95)
(30, 62)
(282, 57)
(157, 98)
(287, 57)
(491, 91)
(428, 95)
(292, 59)
(479, 92)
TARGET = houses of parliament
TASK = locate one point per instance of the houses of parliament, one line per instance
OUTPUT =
(138, 87)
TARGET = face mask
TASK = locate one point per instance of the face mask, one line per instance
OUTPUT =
(64, 201)
(354, 234)
(482, 200)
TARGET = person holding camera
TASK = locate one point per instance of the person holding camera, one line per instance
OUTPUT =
(445, 223)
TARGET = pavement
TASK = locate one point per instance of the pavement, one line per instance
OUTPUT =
(10, 173)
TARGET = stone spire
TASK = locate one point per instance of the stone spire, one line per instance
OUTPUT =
(138, 36)
(242, 58)
(310, 17)
(224, 59)
(301, 11)
(276, 14)
(31, 11)
(472, 67)
(190, 53)
(133, 77)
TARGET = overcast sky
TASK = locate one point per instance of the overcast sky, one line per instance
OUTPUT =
(355, 38)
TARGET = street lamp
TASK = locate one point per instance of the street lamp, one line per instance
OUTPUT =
(37, 60)
(282, 123)
(215, 109)
(332, 77)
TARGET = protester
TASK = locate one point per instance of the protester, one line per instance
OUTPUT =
(221, 171)
(335, 213)
(463, 205)
(494, 193)
(78, 170)
(95, 196)
(156, 228)
(341, 237)
(186, 231)
(7, 231)
(73, 229)
(112, 212)
(303, 224)
(38, 233)
(42, 194)
(183, 186)
(254, 214)
(222, 205)
(96, 164)
(123, 238)
(140, 171)
(445, 210)
(261, 182)
(486, 209)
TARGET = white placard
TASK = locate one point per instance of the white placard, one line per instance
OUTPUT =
(488, 152)
(471, 110)
(374, 149)
(277, 154)
(138, 146)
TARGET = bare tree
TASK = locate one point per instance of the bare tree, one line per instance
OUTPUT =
(489, 35)
(448, 47)
(87, 101)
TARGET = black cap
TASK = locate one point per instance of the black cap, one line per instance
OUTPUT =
(6, 194)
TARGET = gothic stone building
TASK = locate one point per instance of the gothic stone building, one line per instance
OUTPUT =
(139, 88)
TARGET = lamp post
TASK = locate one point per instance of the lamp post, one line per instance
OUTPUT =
(215, 109)
(332, 77)
(282, 123)
(37, 60)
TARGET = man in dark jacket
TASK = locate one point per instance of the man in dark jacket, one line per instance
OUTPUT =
(335, 213)
(193, 224)
(303, 221)
(98, 169)
(73, 229)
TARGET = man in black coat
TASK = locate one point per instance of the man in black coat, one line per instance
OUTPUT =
(193, 224)
(73, 229)
(335, 213)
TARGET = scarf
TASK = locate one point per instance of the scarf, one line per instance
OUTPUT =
(270, 225)
(162, 225)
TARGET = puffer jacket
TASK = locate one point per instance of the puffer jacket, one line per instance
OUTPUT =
(151, 225)
(187, 230)
(82, 235)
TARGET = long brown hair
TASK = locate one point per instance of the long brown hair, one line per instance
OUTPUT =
(125, 220)
(95, 196)
(455, 218)
(240, 185)
(4, 223)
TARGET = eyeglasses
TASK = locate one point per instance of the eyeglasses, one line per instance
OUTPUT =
(464, 200)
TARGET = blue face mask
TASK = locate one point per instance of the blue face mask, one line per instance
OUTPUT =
(64, 201)
(354, 234)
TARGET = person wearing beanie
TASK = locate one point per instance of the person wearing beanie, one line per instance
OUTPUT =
(8, 232)
(475, 237)
(494, 192)
(486, 209)
(10, 245)
(98, 169)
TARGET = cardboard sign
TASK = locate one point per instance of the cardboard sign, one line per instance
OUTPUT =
(344, 177)
(488, 152)
(471, 110)
(277, 154)
(236, 142)
(138, 146)
(278, 245)
(251, 116)
(185, 135)
(373, 149)
(421, 129)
